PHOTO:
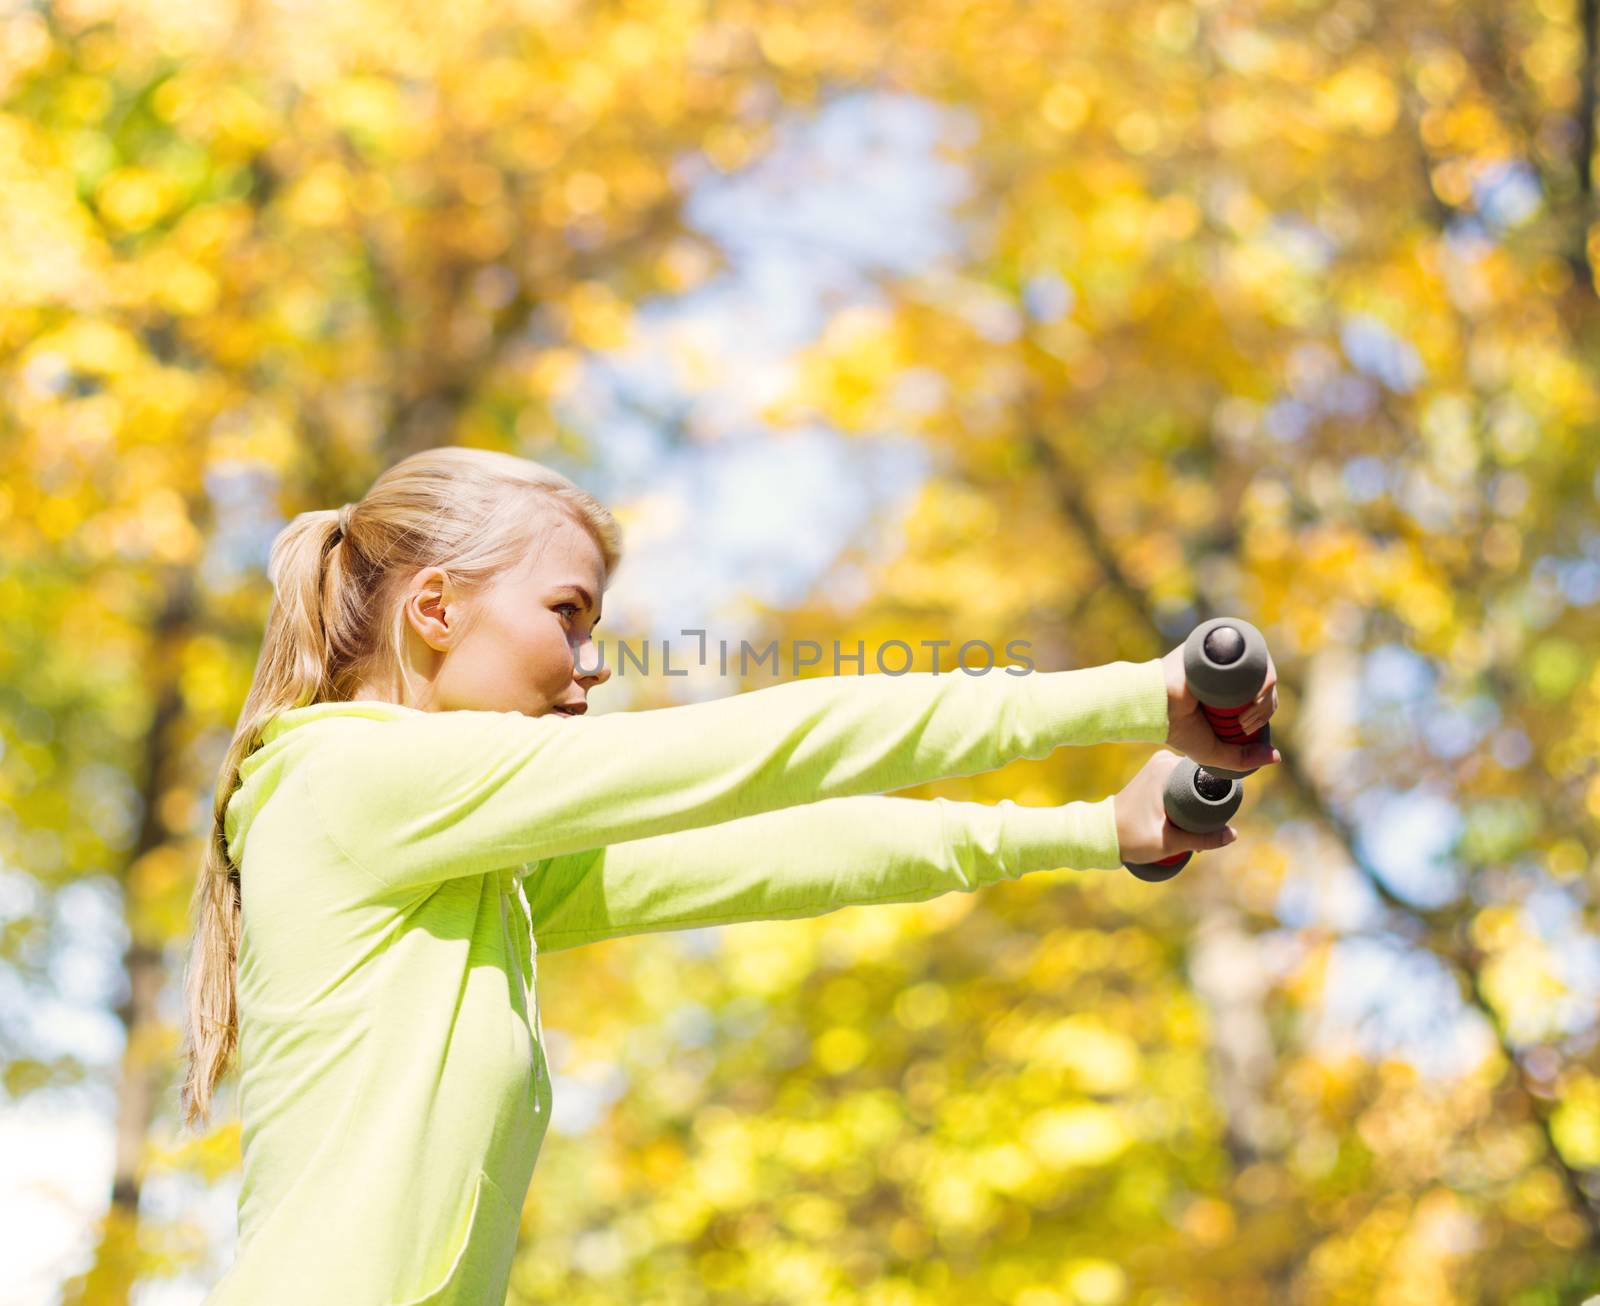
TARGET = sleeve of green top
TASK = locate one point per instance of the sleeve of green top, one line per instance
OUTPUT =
(808, 860)
(433, 795)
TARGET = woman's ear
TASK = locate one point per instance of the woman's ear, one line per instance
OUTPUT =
(432, 609)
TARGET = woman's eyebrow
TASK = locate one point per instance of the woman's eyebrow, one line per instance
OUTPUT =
(588, 600)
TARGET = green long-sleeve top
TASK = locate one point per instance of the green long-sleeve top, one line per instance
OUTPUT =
(400, 869)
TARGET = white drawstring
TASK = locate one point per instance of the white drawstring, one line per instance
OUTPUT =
(533, 985)
(538, 1034)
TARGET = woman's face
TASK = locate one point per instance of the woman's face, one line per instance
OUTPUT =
(529, 647)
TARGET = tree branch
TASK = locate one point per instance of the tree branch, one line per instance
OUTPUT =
(1589, 21)
(1428, 928)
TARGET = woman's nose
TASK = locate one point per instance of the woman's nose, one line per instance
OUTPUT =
(589, 665)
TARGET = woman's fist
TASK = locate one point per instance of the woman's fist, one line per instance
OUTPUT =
(1144, 832)
(1190, 731)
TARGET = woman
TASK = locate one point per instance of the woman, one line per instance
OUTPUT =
(412, 800)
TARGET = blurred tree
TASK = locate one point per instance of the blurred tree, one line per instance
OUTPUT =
(293, 245)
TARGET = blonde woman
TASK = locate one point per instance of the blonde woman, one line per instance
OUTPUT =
(414, 802)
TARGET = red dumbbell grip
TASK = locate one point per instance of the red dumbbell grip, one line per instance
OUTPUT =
(1225, 723)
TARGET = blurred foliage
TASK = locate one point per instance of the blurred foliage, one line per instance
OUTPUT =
(1284, 308)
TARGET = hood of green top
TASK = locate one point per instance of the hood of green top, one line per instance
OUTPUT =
(284, 745)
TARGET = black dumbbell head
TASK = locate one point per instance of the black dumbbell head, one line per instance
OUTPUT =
(1199, 800)
(1155, 872)
(1225, 660)
(1224, 645)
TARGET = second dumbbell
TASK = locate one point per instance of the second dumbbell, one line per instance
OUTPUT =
(1197, 800)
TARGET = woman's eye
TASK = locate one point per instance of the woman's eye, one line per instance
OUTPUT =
(573, 606)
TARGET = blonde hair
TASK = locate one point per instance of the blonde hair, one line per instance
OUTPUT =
(336, 623)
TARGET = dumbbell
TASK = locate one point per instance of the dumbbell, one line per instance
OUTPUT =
(1198, 800)
(1225, 664)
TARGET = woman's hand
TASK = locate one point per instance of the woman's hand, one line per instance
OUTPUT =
(1144, 831)
(1189, 730)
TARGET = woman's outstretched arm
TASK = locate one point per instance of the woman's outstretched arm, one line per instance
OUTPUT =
(426, 796)
(808, 860)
